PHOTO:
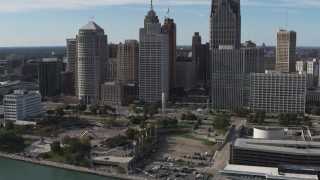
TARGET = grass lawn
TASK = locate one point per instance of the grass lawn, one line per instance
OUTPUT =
(56, 158)
(213, 146)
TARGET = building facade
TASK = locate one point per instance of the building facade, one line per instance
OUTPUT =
(91, 63)
(154, 60)
(128, 62)
(22, 105)
(201, 57)
(71, 54)
(185, 68)
(286, 51)
(49, 78)
(112, 69)
(67, 83)
(277, 92)
(196, 40)
(170, 28)
(118, 94)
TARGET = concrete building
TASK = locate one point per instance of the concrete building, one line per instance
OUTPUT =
(71, 54)
(15, 64)
(312, 73)
(185, 69)
(270, 63)
(271, 153)
(170, 28)
(154, 60)
(269, 173)
(118, 94)
(92, 62)
(113, 50)
(286, 51)
(301, 66)
(112, 69)
(128, 62)
(227, 78)
(276, 92)
(32, 68)
(225, 23)
(22, 105)
(67, 83)
(49, 78)
(201, 57)
(312, 99)
(196, 40)
(254, 59)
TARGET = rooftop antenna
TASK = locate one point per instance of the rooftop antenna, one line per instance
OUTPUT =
(91, 18)
(168, 12)
(151, 6)
(286, 19)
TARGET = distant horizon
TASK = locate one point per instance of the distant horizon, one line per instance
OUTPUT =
(49, 23)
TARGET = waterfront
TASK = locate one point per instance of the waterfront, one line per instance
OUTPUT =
(18, 170)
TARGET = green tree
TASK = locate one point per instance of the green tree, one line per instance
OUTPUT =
(55, 147)
(66, 140)
(241, 112)
(94, 109)
(9, 125)
(130, 133)
(221, 121)
(260, 116)
(59, 111)
(315, 111)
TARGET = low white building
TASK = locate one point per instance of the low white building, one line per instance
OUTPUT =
(22, 105)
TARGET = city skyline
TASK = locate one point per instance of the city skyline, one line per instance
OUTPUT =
(42, 23)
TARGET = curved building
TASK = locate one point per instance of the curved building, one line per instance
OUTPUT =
(91, 63)
(268, 133)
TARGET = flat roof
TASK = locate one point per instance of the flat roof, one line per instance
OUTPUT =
(268, 172)
(279, 146)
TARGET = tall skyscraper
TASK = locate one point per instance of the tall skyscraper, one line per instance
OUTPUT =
(227, 60)
(71, 54)
(170, 28)
(196, 40)
(128, 62)
(286, 51)
(49, 77)
(91, 63)
(154, 60)
(225, 23)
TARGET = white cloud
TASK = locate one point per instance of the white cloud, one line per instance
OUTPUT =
(31, 5)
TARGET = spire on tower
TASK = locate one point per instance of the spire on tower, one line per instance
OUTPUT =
(151, 6)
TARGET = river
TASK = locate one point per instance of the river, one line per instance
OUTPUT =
(18, 170)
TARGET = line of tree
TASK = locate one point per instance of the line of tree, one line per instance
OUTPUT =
(294, 119)
(257, 117)
(189, 116)
(221, 121)
(73, 150)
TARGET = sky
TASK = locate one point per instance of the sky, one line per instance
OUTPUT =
(51, 22)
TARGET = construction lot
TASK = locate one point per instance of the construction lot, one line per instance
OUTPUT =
(178, 157)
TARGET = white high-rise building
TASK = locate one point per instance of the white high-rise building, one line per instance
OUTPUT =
(154, 60)
(91, 62)
(22, 105)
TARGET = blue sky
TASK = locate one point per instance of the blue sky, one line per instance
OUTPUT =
(43, 23)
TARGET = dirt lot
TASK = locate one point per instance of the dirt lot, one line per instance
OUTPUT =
(179, 147)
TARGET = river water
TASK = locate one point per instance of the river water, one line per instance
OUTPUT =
(18, 170)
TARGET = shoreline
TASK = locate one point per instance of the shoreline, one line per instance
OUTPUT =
(69, 167)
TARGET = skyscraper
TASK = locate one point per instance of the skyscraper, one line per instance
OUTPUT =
(170, 28)
(227, 61)
(196, 40)
(71, 54)
(91, 62)
(154, 60)
(225, 23)
(49, 77)
(286, 51)
(128, 62)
